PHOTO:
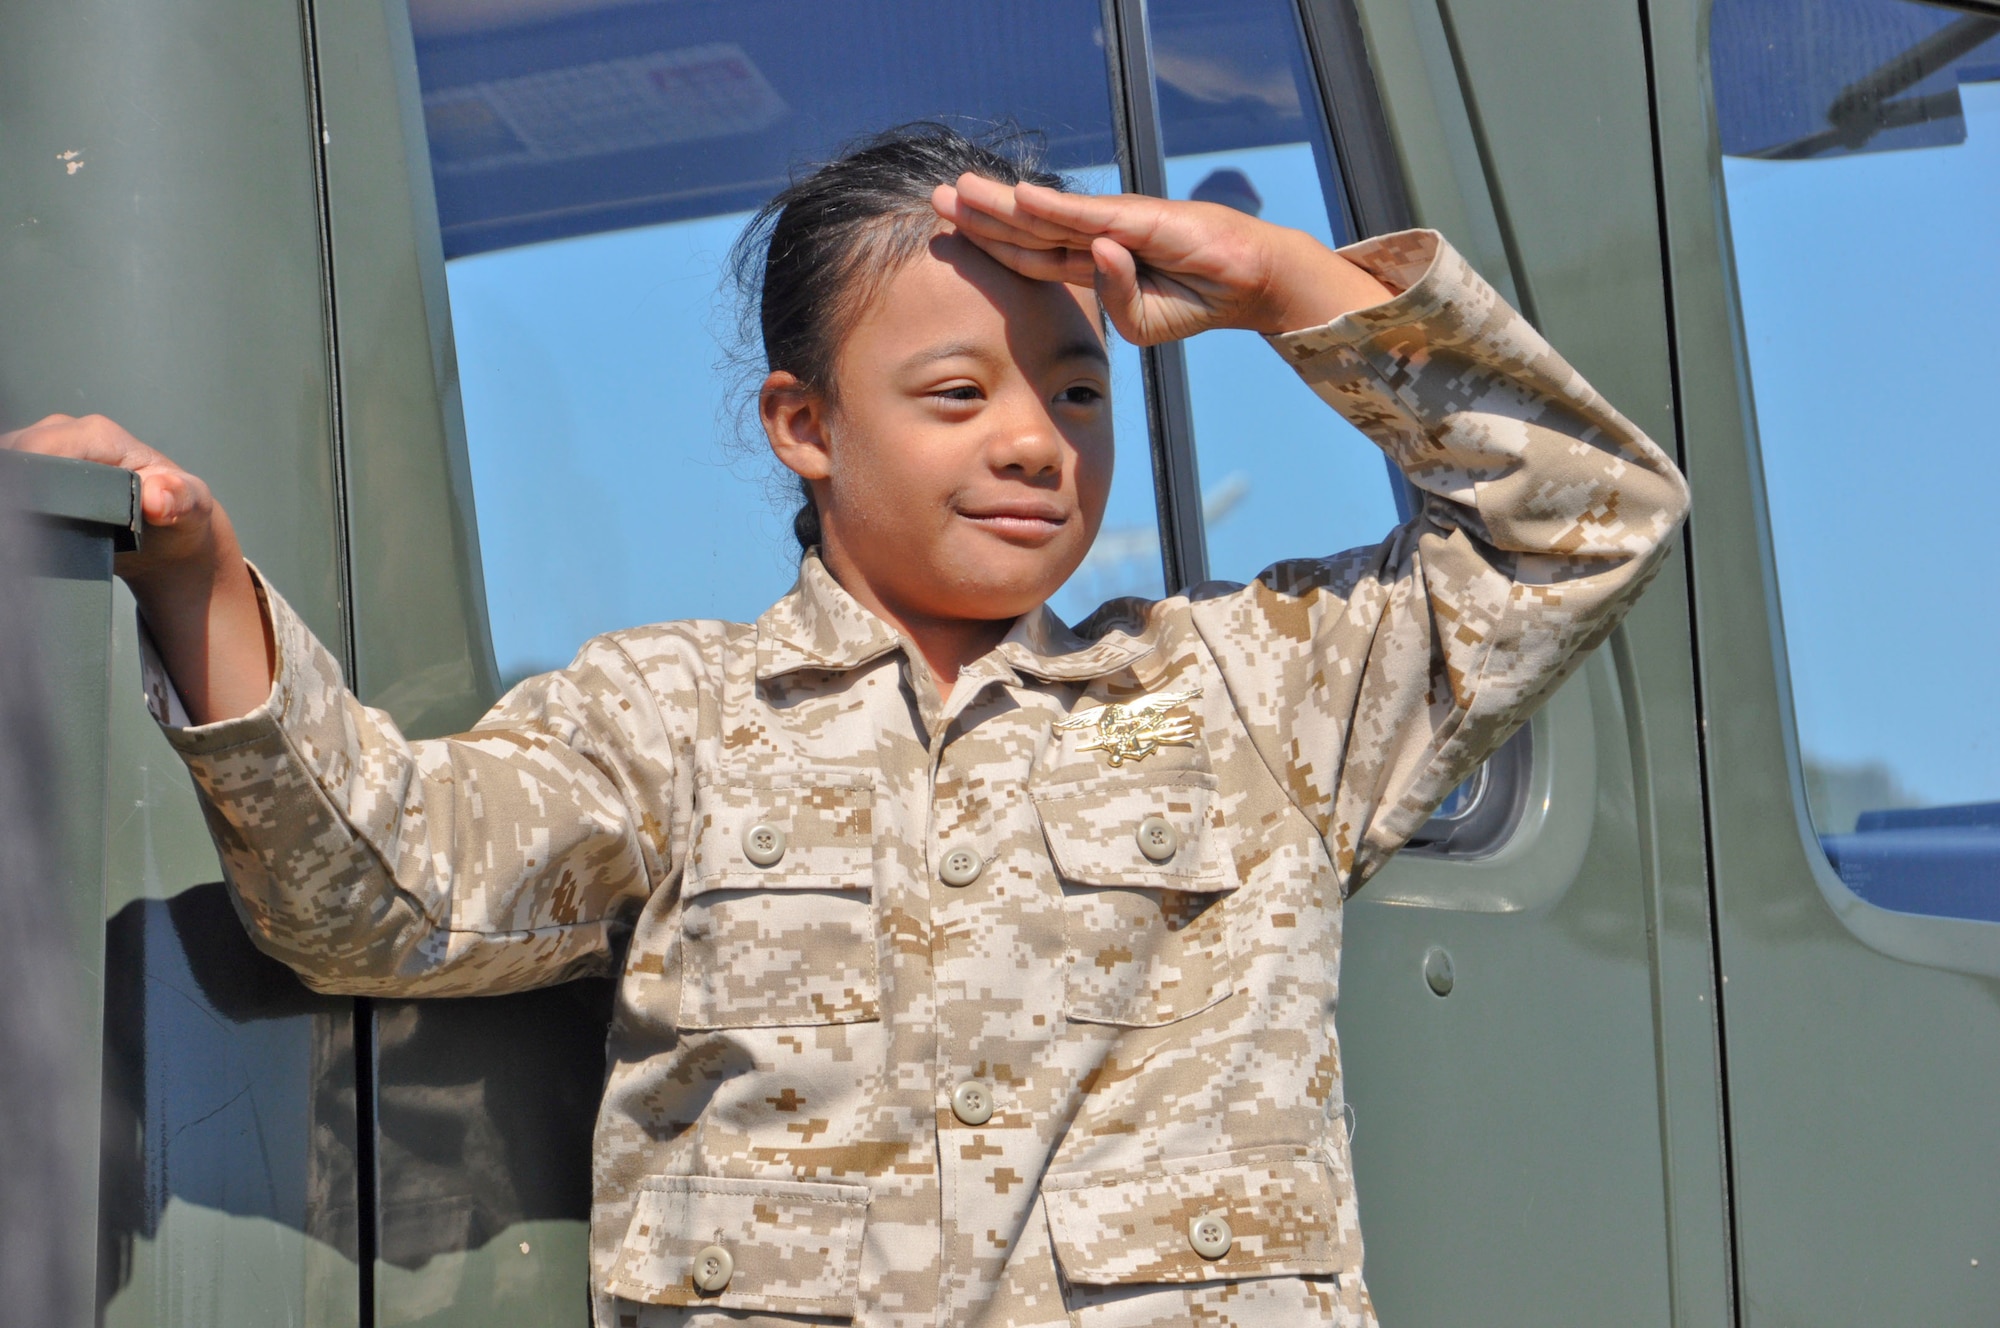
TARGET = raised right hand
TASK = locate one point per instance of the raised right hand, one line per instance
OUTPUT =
(189, 578)
(180, 512)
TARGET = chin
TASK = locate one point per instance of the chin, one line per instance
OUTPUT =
(992, 603)
(1012, 586)
(991, 599)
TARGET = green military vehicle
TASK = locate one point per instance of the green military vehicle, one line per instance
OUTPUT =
(1685, 1010)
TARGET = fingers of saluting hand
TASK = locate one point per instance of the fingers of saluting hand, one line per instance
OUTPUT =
(1119, 292)
(1072, 266)
(1035, 217)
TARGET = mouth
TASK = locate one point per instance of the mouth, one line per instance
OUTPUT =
(1019, 520)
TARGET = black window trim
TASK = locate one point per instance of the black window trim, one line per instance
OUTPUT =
(1355, 125)
(1142, 169)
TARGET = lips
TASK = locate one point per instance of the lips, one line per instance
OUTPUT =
(1018, 518)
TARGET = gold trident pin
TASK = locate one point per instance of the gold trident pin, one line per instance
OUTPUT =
(1132, 730)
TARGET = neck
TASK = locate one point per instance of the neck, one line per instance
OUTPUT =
(946, 644)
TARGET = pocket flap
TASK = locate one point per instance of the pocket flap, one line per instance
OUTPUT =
(795, 1246)
(1288, 1211)
(1094, 829)
(826, 823)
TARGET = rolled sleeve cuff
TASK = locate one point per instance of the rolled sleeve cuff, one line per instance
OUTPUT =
(1419, 265)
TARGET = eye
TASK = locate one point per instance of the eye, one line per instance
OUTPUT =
(1081, 394)
(959, 392)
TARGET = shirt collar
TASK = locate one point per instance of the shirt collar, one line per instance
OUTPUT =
(820, 626)
(1042, 646)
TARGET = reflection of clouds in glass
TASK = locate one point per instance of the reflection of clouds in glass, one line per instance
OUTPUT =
(1839, 792)
(1118, 546)
(1220, 79)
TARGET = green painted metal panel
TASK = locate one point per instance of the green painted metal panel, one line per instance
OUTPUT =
(483, 1107)
(160, 263)
(422, 647)
(79, 514)
(1545, 1144)
(1863, 1070)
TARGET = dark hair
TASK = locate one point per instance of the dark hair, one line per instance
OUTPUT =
(813, 256)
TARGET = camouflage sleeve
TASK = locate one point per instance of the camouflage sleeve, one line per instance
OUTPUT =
(1374, 681)
(501, 859)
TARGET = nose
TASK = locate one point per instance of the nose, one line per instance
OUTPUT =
(1026, 441)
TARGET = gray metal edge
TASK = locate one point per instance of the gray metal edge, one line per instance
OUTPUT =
(66, 490)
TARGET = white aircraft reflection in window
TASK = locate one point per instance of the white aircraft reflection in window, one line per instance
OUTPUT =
(1126, 557)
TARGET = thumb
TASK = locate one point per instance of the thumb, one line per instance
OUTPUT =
(167, 495)
(1118, 287)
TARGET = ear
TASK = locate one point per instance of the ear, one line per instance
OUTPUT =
(795, 421)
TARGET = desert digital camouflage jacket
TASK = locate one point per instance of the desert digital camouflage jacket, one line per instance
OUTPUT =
(1015, 1009)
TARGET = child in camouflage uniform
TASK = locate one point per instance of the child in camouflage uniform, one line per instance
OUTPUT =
(974, 968)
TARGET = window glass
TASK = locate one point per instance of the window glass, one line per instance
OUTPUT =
(1282, 475)
(1862, 169)
(593, 162)
(1126, 558)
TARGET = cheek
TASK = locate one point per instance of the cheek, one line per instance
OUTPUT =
(883, 482)
(1095, 462)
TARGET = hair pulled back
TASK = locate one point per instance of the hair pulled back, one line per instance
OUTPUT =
(813, 256)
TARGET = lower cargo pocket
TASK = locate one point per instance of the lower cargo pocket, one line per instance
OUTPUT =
(786, 1247)
(1127, 1242)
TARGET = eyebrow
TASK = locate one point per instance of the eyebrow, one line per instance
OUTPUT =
(1081, 348)
(1084, 348)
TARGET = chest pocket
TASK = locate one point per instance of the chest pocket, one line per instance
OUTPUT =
(777, 909)
(1143, 879)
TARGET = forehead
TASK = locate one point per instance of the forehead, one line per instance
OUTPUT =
(951, 288)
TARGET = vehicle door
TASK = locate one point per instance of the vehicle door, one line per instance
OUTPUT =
(1832, 174)
(1528, 1020)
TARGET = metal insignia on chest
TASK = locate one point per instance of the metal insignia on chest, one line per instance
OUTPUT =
(1133, 730)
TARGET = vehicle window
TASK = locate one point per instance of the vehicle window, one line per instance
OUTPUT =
(593, 161)
(1282, 476)
(1861, 143)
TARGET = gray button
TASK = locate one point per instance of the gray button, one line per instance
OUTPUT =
(1210, 1236)
(961, 867)
(1158, 839)
(972, 1103)
(713, 1268)
(763, 844)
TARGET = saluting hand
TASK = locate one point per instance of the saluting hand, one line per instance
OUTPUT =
(1163, 269)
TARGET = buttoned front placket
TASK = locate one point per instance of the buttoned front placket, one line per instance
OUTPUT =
(963, 865)
(1009, 1068)
(983, 743)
